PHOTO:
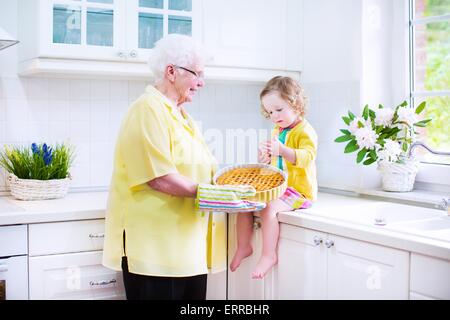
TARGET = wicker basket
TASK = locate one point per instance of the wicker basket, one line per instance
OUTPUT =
(261, 196)
(29, 189)
(398, 177)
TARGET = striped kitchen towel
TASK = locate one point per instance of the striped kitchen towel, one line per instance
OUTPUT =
(227, 198)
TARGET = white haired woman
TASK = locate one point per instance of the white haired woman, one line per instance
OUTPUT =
(159, 231)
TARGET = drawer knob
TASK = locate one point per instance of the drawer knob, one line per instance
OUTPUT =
(317, 240)
(329, 243)
(96, 235)
(102, 283)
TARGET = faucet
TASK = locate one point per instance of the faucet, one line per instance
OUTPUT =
(444, 205)
(421, 144)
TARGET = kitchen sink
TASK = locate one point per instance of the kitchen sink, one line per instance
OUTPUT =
(382, 211)
(427, 225)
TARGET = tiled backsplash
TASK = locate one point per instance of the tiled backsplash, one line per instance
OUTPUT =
(88, 113)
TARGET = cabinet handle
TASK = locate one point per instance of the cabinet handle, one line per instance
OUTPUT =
(256, 225)
(122, 54)
(133, 54)
(3, 267)
(329, 243)
(96, 235)
(317, 240)
(102, 283)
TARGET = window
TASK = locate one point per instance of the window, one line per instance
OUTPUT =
(430, 72)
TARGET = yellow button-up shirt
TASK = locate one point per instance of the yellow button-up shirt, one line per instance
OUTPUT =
(302, 174)
(165, 236)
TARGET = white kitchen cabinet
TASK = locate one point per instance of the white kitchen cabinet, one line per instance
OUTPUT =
(250, 40)
(65, 262)
(13, 263)
(99, 37)
(316, 265)
(302, 264)
(76, 276)
(429, 278)
(255, 34)
(241, 286)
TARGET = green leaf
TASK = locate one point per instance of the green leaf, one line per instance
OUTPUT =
(346, 132)
(343, 138)
(352, 146)
(371, 114)
(361, 155)
(421, 107)
(366, 112)
(373, 154)
(380, 106)
(422, 123)
(404, 146)
(351, 115)
(346, 120)
(369, 161)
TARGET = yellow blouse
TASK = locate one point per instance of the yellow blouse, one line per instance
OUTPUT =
(302, 174)
(165, 236)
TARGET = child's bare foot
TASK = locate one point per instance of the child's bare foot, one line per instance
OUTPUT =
(241, 253)
(264, 265)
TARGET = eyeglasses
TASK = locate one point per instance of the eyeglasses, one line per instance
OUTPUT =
(199, 75)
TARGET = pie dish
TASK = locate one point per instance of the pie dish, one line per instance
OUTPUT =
(270, 182)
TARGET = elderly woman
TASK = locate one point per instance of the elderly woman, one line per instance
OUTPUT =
(155, 233)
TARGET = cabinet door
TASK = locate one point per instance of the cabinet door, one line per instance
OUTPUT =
(83, 29)
(301, 270)
(76, 276)
(361, 270)
(241, 286)
(429, 278)
(253, 33)
(150, 20)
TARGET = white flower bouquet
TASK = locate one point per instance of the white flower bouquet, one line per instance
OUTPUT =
(382, 134)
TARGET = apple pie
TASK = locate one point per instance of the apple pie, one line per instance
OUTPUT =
(268, 181)
(260, 178)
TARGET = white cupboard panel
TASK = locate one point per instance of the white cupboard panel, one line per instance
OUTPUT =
(361, 270)
(430, 276)
(77, 276)
(302, 264)
(16, 243)
(65, 237)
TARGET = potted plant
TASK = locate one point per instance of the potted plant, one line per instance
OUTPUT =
(384, 135)
(37, 172)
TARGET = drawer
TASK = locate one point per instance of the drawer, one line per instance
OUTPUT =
(66, 237)
(74, 276)
(13, 240)
(430, 277)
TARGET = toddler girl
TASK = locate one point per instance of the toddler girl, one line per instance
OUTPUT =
(293, 148)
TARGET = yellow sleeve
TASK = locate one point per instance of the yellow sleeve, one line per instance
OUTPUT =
(306, 149)
(146, 145)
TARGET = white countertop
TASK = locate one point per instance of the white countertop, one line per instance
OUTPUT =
(74, 206)
(340, 215)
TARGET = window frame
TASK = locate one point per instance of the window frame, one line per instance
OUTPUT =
(429, 173)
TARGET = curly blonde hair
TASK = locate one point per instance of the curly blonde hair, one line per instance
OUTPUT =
(289, 90)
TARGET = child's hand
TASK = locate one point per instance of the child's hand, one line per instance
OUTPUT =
(263, 156)
(273, 147)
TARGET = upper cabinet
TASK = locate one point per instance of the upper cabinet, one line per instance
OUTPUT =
(250, 40)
